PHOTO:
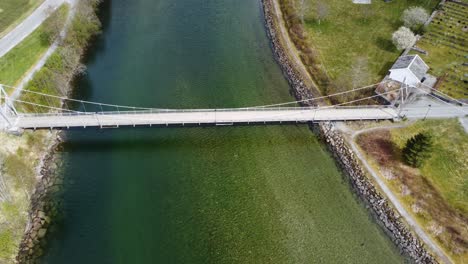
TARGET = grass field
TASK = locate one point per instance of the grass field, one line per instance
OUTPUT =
(446, 42)
(349, 34)
(20, 59)
(447, 168)
(437, 193)
(12, 12)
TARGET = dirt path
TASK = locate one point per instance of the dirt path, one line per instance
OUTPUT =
(410, 220)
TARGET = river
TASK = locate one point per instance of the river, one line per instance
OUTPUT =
(265, 194)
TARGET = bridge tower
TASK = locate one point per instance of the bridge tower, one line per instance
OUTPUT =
(8, 111)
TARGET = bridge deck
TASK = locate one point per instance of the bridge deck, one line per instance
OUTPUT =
(202, 117)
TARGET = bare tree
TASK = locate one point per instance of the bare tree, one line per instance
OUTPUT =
(360, 72)
(403, 38)
(356, 76)
(414, 17)
(302, 8)
(53, 25)
(367, 11)
(321, 11)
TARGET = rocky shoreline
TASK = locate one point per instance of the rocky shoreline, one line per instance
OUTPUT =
(44, 206)
(298, 87)
(389, 220)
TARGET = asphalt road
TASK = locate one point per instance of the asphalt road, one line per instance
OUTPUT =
(20, 32)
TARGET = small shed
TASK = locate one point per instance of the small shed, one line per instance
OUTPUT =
(410, 69)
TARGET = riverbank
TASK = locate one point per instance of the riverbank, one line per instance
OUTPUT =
(302, 85)
(377, 205)
(44, 207)
(55, 77)
(432, 195)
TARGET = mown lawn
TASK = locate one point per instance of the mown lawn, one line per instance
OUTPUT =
(13, 12)
(350, 33)
(447, 169)
(20, 59)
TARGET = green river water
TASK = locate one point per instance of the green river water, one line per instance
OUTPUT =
(265, 194)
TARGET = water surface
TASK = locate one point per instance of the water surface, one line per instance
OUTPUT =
(201, 195)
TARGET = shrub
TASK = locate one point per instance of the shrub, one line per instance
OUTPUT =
(417, 149)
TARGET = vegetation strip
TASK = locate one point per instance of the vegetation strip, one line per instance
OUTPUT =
(386, 216)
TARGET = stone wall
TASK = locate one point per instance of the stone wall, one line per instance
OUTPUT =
(43, 208)
(390, 221)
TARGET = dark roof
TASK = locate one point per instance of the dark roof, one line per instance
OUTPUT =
(419, 68)
(403, 62)
(415, 64)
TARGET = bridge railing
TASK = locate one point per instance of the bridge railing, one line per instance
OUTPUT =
(162, 111)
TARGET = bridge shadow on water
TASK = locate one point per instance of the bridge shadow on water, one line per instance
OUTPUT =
(109, 140)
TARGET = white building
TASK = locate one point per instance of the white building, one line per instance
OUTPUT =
(409, 69)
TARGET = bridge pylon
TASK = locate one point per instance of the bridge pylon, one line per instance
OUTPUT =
(8, 113)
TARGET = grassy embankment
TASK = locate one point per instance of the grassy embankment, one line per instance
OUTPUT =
(346, 45)
(19, 156)
(445, 41)
(12, 12)
(437, 193)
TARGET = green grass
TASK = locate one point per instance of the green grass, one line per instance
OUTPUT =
(7, 248)
(446, 43)
(18, 61)
(351, 31)
(12, 12)
(446, 169)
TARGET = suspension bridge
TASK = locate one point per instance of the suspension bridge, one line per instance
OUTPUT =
(35, 110)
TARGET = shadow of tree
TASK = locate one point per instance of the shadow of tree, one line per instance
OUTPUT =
(384, 70)
(385, 44)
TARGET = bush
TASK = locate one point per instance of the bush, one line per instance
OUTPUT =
(417, 149)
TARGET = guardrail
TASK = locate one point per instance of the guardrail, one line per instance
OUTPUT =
(164, 111)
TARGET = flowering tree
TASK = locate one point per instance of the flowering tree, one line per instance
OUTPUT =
(403, 38)
(414, 17)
